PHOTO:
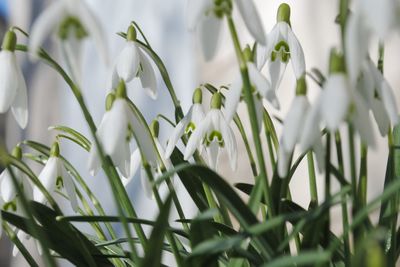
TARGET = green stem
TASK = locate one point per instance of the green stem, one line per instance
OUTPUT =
(327, 186)
(253, 117)
(312, 178)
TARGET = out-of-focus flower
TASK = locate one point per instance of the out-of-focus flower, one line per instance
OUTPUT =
(12, 83)
(72, 21)
(188, 124)
(132, 62)
(206, 16)
(282, 46)
(54, 177)
(215, 134)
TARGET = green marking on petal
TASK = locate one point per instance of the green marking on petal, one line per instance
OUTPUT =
(281, 51)
(190, 128)
(12, 205)
(215, 136)
(72, 25)
(59, 183)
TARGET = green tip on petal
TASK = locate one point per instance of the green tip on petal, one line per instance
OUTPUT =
(301, 86)
(55, 150)
(216, 101)
(155, 128)
(336, 62)
(131, 34)
(248, 54)
(197, 96)
(110, 100)
(283, 13)
(9, 41)
(121, 90)
(17, 152)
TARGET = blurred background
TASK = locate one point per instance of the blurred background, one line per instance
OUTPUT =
(51, 103)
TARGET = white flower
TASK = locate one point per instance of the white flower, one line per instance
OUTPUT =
(188, 124)
(215, 133)
(54, 177)
(12, 83)
(132, 62)
(206, 16)
(114, 134)
(369, 18)
(379, 96)
(282, 46)
(71, 20)
(262, 90)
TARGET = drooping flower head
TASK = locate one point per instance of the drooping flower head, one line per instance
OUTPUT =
(132, 62)
(214, 133)
(188, 124)
(71, 21)
(282, 46)
(205, 16)
(55, 177)
(12, 83)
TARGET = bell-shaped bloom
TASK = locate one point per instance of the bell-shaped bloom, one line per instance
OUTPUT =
(188, 124)
(370, 17)
(215, 134)
(132, 62)
(71, 20)
(54, 177)
(282, 46)
(379, 96)
(205, 16)
(12, 83)
(261, 89)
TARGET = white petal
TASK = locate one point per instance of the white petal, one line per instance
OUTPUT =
(128, 61)
(335, 101)
(47, 177)
(213, 155)
(252, 20)
(311, 131)
(121, 158)
(361, 121)
(146, 185)
(265, 51)
(44, 25)
(197, 114)
(209, 33)
(389, 101)
(381, 15)
(197, 136)
(177, 133)
(73, 56)
(232, 99)
(8, 190)
(261, 56)
(70, 189)
(136, 161)
(296, 54)
(20, 105)
(8, 79)
(148, 76)
(276, 69)
(195, 11)
(22, 236)
(258, 103)
(319, 151)
(283, 162)
(229, 141)
(94, 160)
(381, 116)
(294, 122)
(92, 26)
(113, 81)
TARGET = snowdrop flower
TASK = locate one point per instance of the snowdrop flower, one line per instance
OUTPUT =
(205, 16)
(188, 124)
(282, 46)
(379, 96)
(215, 134)
(54, 177)
(117, 126)
(132, 62)
(261, 89)
(369, 18)
(157, 165)
(72, 21)
(12, 84)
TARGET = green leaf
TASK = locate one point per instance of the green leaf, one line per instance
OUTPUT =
(305, 258)
(74, 135)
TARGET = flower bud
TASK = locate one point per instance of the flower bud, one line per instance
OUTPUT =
(121, 90)
(216, 101)
(55, 150)
(17, 152)
(197, 96)
(110, 100)
(301, 86)
(131, 34)
(155, 128)
(248, 54)
(283, 13)
(336, 62)
(9, 41)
